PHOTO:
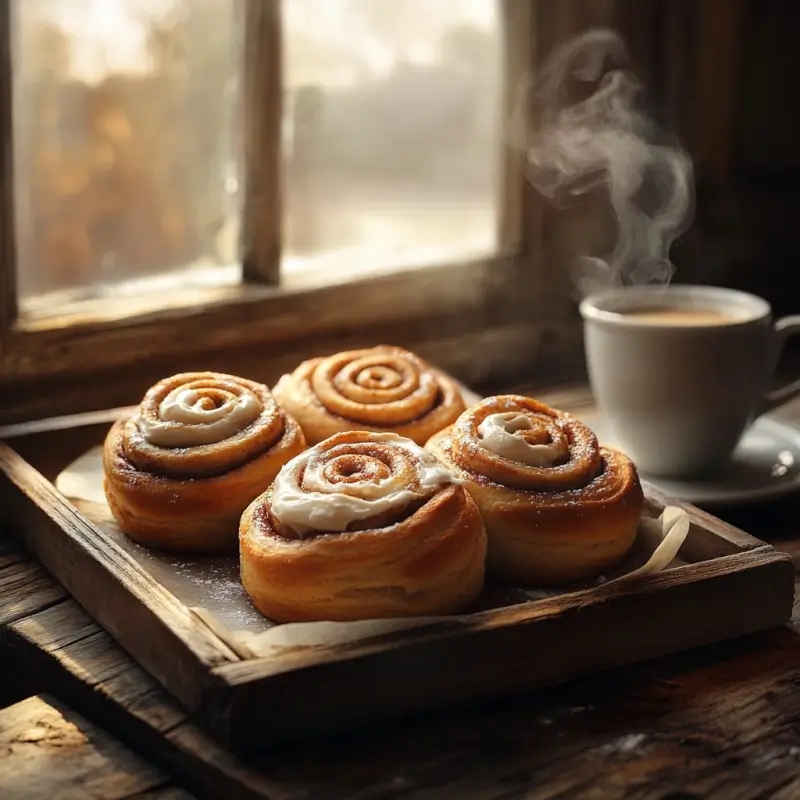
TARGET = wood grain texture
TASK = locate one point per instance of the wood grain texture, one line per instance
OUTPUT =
(34, 440)
(263, 121)
(249, 315)
(480, 347)
(8, 264)
(112, 586)
(435, 670)
(52, 752)
(64, 649)
(480, 324)
(717, 723)
(25, 587)
(252, 703)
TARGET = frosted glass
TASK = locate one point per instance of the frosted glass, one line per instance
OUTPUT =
(126, 165)
(391, 131)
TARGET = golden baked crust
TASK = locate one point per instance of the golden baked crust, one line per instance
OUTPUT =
(380, 389)
(190, 498)
(421, 555)
(546, 525)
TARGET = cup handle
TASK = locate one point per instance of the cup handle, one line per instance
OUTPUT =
(784, 328)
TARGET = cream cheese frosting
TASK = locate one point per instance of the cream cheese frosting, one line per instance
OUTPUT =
(497, 434)
(185, 421)
(322, 505)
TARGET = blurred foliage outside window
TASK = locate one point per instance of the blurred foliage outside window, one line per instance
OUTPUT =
(128, 154)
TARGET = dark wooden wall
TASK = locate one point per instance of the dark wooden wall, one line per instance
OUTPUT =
(741, 124)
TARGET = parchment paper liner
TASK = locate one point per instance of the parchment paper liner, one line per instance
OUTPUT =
(209, 586)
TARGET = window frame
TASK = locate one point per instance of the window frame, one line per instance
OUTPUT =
(262, 117)
(512, 317)
(8, 261)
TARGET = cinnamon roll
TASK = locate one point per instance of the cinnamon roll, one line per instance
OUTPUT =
(380, 389)
(557, 507)
(203, 445)
(362, 526)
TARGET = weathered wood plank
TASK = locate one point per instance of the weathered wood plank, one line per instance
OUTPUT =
(64, 649)
(253, 315)
(66, 631)
(721, 722)
(474, 342)
(439, 666)
(52, 752)
(25, 588)
(95, 667)
(10, 554)
(264, 701)
(642, 732)
(105, 579)
(102, 677)
(76, 433)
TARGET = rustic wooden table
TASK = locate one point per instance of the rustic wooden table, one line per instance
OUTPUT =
(49, 752)
(720, 722)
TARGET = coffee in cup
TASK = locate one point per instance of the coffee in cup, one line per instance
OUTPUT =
(680, 372)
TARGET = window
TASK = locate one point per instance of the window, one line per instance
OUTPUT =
(126, 162)
(188, 177)
(392, 131)
(128, 155)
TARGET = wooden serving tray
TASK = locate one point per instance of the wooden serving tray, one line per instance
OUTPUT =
(726, 584)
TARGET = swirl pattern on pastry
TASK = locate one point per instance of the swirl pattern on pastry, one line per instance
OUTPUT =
(201, 447)
(363, 525)
(557, 507)
(380, 389)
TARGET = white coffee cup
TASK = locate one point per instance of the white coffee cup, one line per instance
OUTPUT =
(680, 386)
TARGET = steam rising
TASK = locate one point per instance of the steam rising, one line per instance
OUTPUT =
(604, 141)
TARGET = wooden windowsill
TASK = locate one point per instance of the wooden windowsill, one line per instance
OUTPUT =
(310, 304)
(500, 318)
(209, 286)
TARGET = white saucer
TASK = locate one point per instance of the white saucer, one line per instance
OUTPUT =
(765, 466)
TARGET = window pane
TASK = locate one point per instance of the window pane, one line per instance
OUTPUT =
(391, 131)
(125, 157)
